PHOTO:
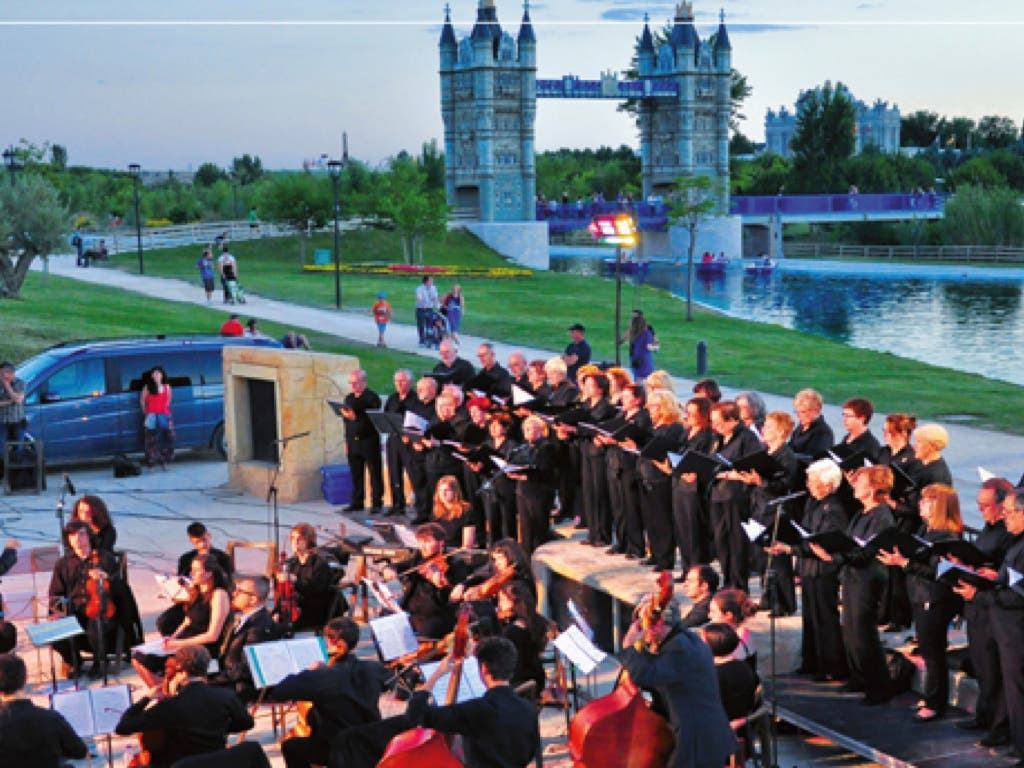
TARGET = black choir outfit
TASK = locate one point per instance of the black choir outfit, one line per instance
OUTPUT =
(499, 495)
(863, 580)
(474, 435)
(783, 601)
(690, 524)
(730, 506)
(399, 458)
(568, 455)
(597, 512)
(821, 643)
(624, 488)
(896, 609)
(417, 467)
(994, 540)
(458, 373)
(362, 443)
(813, 441)
(656, 503)
(535, 495)
(439, 460)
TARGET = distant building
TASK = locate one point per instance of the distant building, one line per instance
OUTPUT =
(877, 125)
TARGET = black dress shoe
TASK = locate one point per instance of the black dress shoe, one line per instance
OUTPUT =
(970, 725)
(631, 556)
(648, 561)
(376, 511)
(615, 549)
(995, 739)
(353, 508)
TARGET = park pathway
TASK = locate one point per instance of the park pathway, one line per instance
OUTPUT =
(969, 447)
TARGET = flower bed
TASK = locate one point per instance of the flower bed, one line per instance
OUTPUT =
(415, 269)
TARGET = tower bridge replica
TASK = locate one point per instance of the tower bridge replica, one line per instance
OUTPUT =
(489, 93)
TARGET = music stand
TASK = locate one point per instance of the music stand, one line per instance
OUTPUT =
(50, 632)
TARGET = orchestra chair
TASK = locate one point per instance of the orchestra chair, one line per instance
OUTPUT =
(253, 558)
(122, 643)
(352, 580)
(754, 736)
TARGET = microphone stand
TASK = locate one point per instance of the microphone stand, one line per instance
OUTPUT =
(272, 488)
(65, 487)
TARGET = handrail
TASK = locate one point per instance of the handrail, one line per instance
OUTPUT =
(957, 253)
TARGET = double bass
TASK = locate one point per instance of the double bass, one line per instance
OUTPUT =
(425, 747)
(620, 730)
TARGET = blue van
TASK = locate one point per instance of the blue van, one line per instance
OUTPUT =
(82, 398)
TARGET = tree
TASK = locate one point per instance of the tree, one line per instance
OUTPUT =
(739, 91)
(403, 199)
(919, 129)
(432, 161)
(763, 175)
(996, 132)
(977, 172)
(976, 216)
(248, 169)
(693, 199)
(207, 175)
(300, 199)
(740, 145)
(956, 132)
(58, 157)
(32, 223)
(824, 137)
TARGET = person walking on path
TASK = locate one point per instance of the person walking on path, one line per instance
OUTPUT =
(426, 301)
(641, 345)
(381, 316)
(207, 270)
(227, 268)
(454, 309)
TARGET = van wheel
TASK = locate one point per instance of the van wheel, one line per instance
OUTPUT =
(219, 441)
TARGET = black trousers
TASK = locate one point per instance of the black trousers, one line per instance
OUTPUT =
(634, 524)
(500, 505)
(991, 706)
(617, 502)
(363, 746)
(656, 509)
(1008, 630)
(533, 506)
(783, 592)
(896, 607)
(731, 543)
(304, 751)
(396, 466)
(932, 622)
(71, 650)
(862, 595)
(821, 641)
(596, 507)
(363, 454)
(568, 478)
(689, 524)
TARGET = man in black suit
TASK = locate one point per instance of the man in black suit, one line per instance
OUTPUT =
(452, 369)
(344, 694)
(30, 736)
(493, 373)
(362, 443)
(498, 729)
(674, 664)
(196, 719)
(202, 545)
(252, 625)
(399, 453)
(701, 583)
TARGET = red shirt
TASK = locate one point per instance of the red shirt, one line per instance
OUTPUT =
(232, 327)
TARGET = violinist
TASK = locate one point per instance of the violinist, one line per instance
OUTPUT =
(508, 562)
(674, 664)
(85, 583)
(202, 543)
(93, 510)
(206, 614)
(526, 629)
(31, 736)
(312, 580)
(195, 718)
(499, 728)
(428, 584)
(344, 694)
(535, 485)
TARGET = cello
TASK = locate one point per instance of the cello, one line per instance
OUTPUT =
(621, 730)
(424, 747)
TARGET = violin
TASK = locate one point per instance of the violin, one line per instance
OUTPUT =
(621, 730)
(97, 586)
(420, 747)
(492, 586)
(286, 600)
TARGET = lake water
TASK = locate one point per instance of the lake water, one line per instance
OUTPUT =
(968, 319)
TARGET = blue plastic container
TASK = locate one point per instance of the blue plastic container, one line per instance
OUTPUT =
(337, 483)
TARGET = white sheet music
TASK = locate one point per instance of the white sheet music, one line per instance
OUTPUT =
(584, 655)
(173, 587)
(93, 711)
(578, 619)
(273, 662)
(520, 396)
(752, 528)
(153, 647)
(394, 635)
(307, 651)
(52, 631)
(984, 474)
(413, 422)
(471, 685)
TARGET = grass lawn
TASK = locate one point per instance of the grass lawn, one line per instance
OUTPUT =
(31, 323)
(538, 309)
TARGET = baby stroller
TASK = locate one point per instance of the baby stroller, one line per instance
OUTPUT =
(235, 293)
(436, 330)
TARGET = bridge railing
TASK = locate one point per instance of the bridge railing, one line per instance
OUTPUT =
(796, 205)
(958, 253)
(565, 217)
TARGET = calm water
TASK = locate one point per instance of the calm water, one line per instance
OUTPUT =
(963, 323)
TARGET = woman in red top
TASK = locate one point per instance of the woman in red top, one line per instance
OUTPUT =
(155, 400)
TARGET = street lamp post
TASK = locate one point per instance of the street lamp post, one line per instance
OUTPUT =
(234, 194)
(334, 168)
(135, 171)
(11, 162)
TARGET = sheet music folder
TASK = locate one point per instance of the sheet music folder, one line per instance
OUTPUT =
(387, 423)
(51, 631)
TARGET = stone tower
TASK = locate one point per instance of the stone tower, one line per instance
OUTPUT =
(688, 136)
(488, 106)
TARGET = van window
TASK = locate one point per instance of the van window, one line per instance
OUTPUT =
(85, 378)
(211, 368)
(179, 367)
